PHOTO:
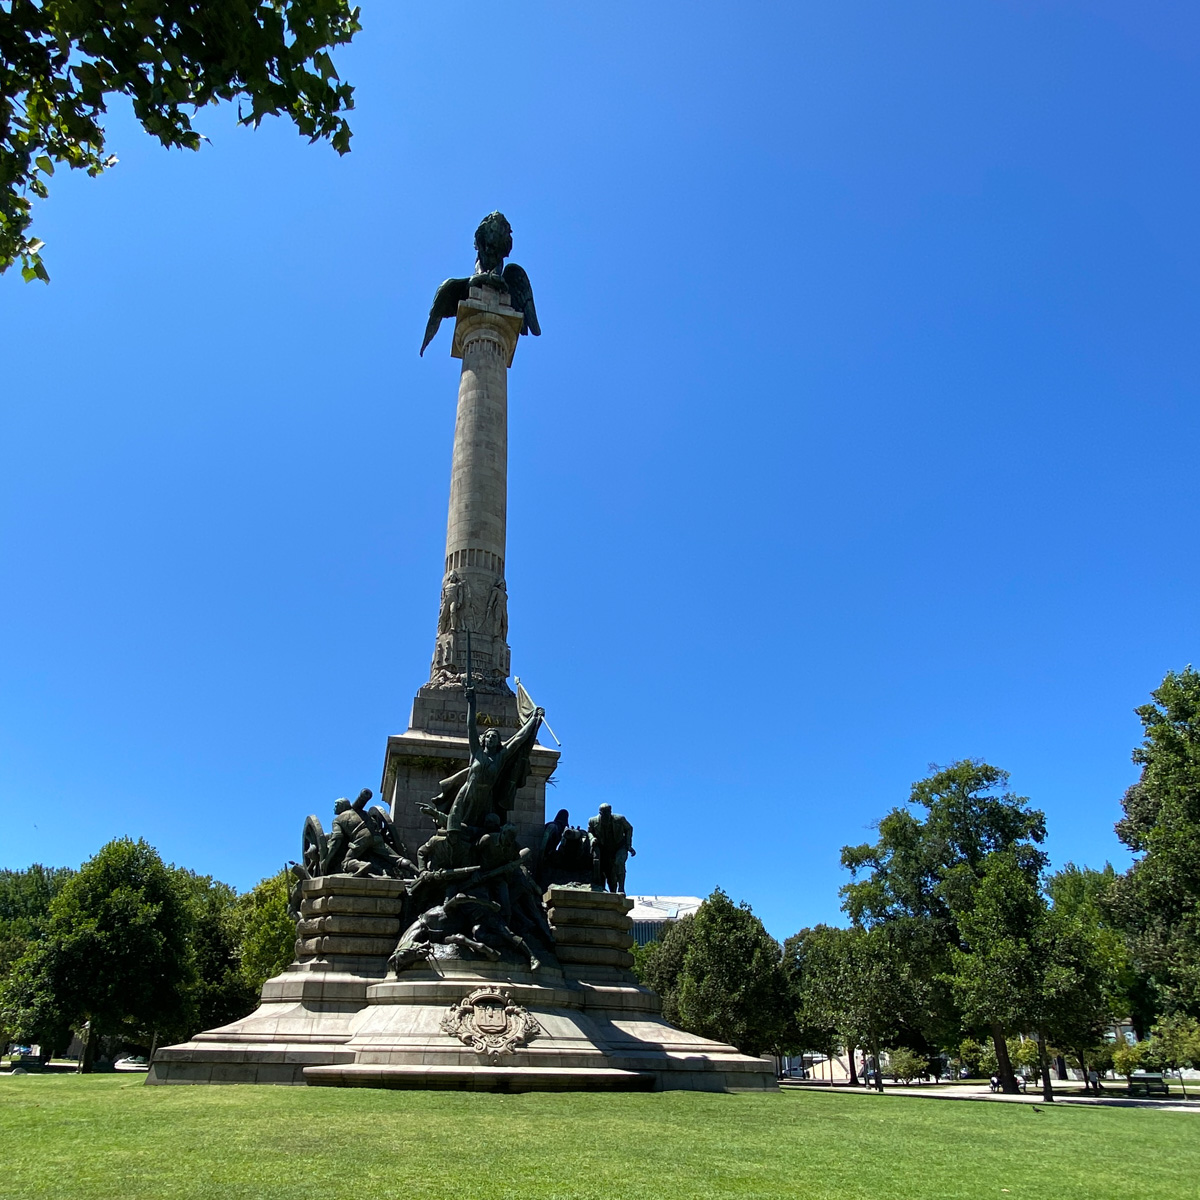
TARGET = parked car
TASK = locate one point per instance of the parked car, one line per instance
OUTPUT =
(135, 1062)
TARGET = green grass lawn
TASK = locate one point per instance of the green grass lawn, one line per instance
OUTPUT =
(109, 1136)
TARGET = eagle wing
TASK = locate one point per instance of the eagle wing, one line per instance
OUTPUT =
(520, 293)
(445, 304)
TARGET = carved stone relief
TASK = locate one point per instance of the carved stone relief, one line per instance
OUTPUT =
(490, 1022)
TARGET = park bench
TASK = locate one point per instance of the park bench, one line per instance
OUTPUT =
(1148, 1084)
(1022, 1083)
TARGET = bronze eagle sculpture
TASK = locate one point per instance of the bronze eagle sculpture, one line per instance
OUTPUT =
(493, 244)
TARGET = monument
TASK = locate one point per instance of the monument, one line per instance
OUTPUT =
(451, 937)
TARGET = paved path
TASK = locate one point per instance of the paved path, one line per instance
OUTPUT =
(1068, 1092)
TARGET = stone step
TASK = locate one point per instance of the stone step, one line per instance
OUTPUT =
(579, 935)
(321, 946)
(482, 1078)
(566, 897)
(382, 905)
(594, 955)
(352, 885)
(608, 918)
(349, 923)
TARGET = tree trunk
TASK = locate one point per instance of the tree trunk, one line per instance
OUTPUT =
(1044, 1062)
(878, 1064)
(850, 1053)
(1087, 1087)
(1004, 1071)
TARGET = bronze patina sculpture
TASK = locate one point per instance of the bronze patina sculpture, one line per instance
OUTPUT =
(493, 244)
(566, 853)
(489, 785)
(474, 893)
(611, 836)
(361, 841)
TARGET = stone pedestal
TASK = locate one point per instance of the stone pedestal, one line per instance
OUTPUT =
(335, 1018)
(593, 937)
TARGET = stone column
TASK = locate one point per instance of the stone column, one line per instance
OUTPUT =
(474, 592)
(474, 596)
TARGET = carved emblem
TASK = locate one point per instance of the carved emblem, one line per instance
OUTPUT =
(490, 1023)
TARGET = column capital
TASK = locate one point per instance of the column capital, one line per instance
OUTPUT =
(484, 316)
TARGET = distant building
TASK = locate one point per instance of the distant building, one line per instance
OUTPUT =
(652, 914)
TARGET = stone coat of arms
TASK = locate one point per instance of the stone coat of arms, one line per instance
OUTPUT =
(489, 1022)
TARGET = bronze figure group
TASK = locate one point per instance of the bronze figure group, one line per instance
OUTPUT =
(473, 891)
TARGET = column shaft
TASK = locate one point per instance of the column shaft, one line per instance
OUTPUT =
(474, 593)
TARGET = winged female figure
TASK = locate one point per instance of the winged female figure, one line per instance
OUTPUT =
(493, 244)
(490, 784)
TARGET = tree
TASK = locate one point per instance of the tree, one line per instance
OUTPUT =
(812, 964)
(1127, 1058)
(998, 970)
(662, 965)
(642, 955)
(1024, 967)
(922, 873)
(1026, 1055)
(969, 1055)
(728, 983)
(61, 60)
(267, 932)
(221, 992)
(1175, 1043)
(852, 981)
(1081, 991)
(1086, 895)
(1157, 902)
(115, 958)
(906, 1066)
(24, 909)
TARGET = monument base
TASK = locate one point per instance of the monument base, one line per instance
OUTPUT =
(334, 1020)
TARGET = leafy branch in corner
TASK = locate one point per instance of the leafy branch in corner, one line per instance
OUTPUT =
(60, 61)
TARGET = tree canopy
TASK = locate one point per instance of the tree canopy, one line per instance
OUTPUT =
(136, 948)
(61, 61)
(268, 934)
(1157, 902)
(221, 992)
(115, 956)
(921, 876)
(853, 982)
(720, 975)
(1025, 967)
(916, 866)
(25, 898)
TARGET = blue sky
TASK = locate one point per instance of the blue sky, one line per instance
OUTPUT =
(862, 433)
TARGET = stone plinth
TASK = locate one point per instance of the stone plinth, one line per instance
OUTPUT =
(348, 923)
(336, 1019)
(593, 937)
